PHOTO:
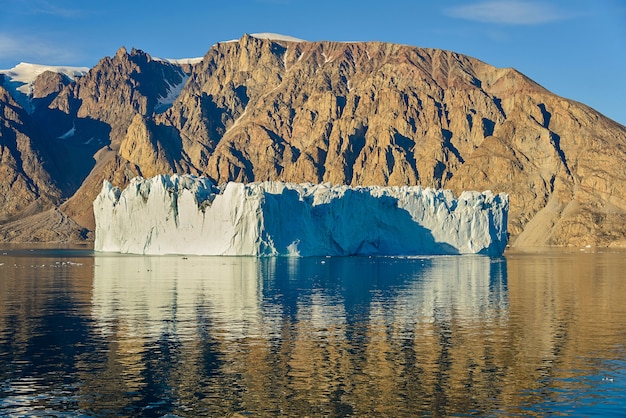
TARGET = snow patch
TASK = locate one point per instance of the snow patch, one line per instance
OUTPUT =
(91, 140)
(19, 79)
(180, 61)
(270, 36)
(26, 74)
(69, 133)
(190, 215)
(276, 37)
(172, 94)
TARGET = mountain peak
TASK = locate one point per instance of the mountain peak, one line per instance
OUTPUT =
(121, 52)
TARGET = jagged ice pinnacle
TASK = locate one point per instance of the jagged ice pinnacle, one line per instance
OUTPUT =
(184, 214)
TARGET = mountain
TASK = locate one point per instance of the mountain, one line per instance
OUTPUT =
(277, 108)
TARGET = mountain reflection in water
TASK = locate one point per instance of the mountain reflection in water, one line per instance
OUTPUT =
(527, 334)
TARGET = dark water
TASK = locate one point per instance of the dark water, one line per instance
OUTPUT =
(109, 335)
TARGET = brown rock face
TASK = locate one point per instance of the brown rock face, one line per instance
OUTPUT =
(48, 84)
(358, 114)
(117, 88)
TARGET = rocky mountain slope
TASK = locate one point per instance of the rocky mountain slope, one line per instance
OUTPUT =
(345, 113)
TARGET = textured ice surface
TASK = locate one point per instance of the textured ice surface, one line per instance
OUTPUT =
(189, 215)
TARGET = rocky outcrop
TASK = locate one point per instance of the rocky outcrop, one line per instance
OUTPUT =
(152, 149)
(48, 84)
(350, 113)
(117, 89)
(563, 164)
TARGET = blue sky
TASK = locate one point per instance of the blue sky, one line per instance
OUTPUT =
(575, 48)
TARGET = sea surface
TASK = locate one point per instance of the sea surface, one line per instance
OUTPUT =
(528, 334)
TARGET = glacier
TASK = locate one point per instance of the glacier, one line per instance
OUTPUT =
(186, 214)
(20, 79)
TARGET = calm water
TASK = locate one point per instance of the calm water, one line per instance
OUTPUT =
(522, 335)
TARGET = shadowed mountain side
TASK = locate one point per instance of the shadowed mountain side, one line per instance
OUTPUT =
(28, 175)
(77, 137)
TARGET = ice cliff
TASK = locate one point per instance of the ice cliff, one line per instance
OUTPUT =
(190, 215)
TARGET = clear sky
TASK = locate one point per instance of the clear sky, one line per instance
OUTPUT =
(575, 48)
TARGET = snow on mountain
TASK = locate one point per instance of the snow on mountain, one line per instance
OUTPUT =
(174, 90)
(70, 133)
(19, 79)
(180, 61)
(276, 37)
(26, 73)
(172, 94)
(272, 36)
(189, 215)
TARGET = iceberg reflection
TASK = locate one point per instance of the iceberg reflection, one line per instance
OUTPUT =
(154, 295)
(279, 334)
(245, 295)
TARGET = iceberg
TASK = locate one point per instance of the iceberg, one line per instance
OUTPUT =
(185, 214)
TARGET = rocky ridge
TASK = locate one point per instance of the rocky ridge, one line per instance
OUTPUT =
(345, 113)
